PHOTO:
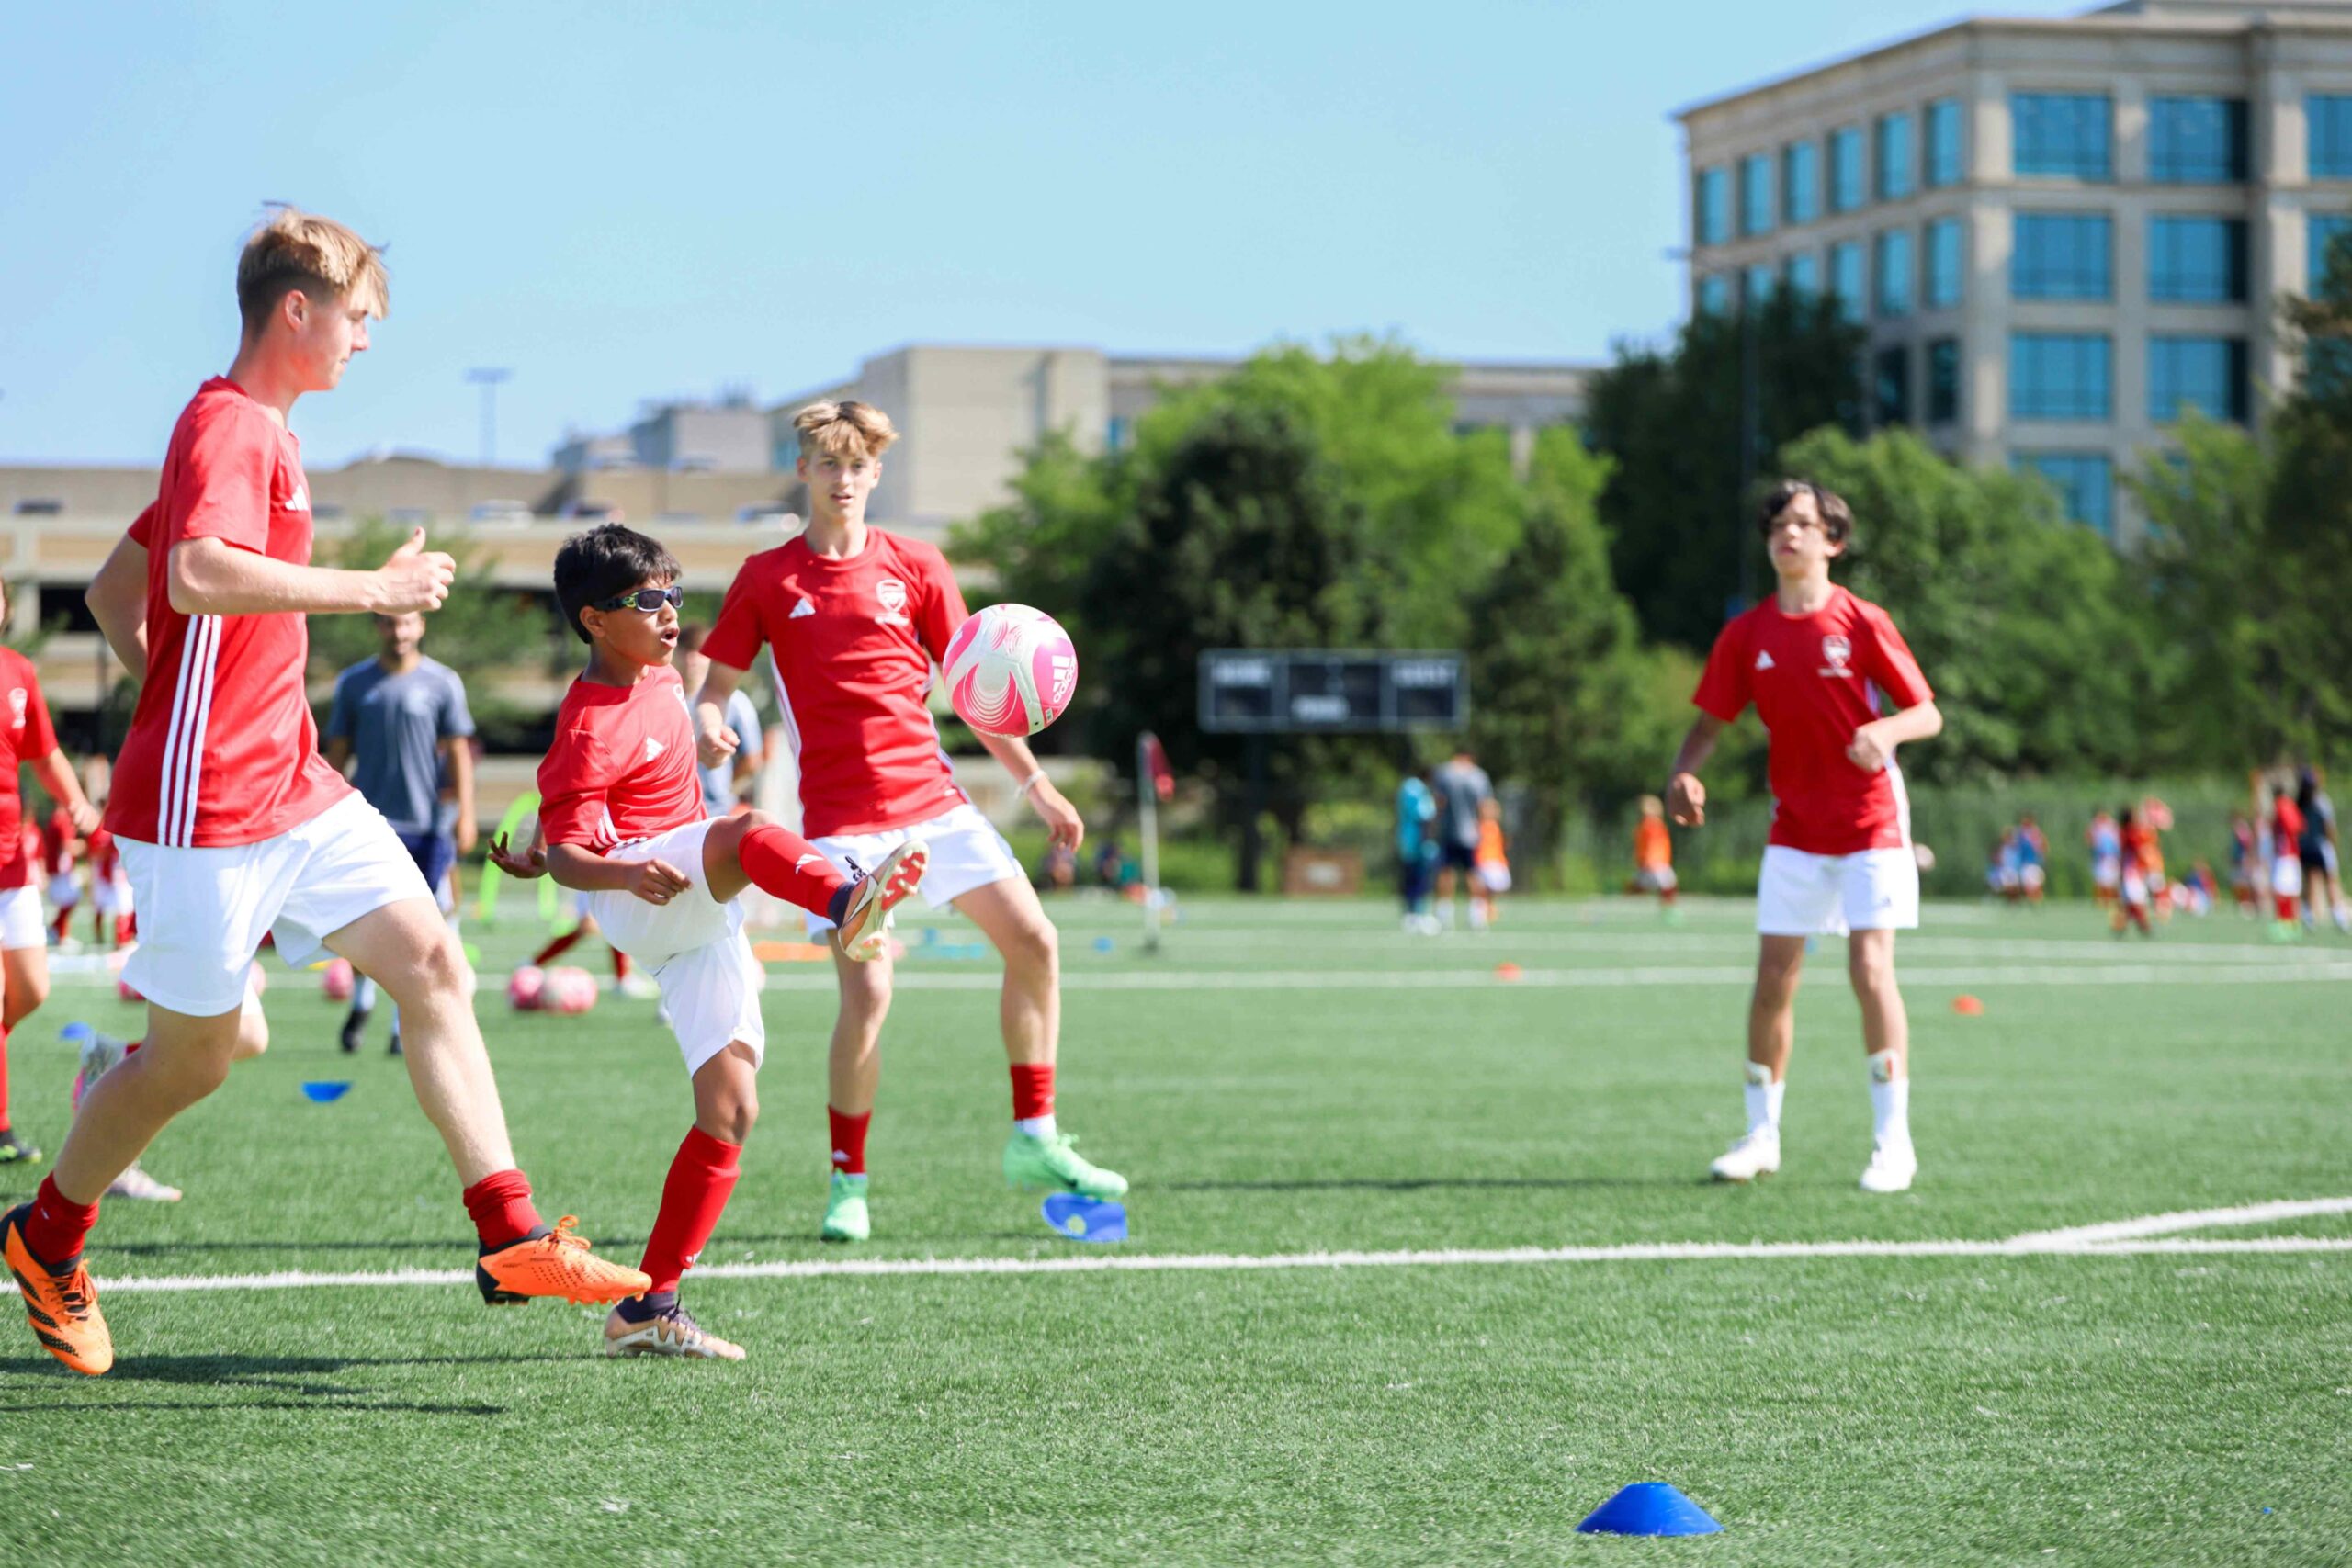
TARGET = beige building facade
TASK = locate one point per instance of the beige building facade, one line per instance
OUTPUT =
(2061, 235)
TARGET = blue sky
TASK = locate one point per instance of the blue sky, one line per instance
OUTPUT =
(631, 202)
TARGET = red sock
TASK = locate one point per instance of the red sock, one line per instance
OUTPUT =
(1033, 1090)
(559, 947)
(781, 862)
(849, 1140)
(701, 1178)
(4, 1080)
(59, 924)
(2286, 910)
(55, 1224)
(501, 1206)
(620, 962)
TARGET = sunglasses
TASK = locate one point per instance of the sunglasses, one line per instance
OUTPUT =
(646, 599)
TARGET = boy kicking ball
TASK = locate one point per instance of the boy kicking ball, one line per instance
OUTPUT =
(622, 818)
(1822, 668)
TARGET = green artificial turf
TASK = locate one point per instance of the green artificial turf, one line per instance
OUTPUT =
(1282, 1078)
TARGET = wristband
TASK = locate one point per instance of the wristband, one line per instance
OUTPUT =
(1031, 782)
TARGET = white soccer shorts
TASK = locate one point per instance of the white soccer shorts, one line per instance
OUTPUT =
(694, 946)
(202, 911)
(112, 894)
(967, 852)
(1807, 895)
(22, 923)
(2287, 877)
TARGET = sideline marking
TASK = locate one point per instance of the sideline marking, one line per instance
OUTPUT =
(2187, 1220)
(1150, 1263)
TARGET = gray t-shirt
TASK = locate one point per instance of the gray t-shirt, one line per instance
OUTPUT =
(1462, 788)
(396, 725)
(719, 783)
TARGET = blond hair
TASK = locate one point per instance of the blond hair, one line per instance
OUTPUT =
(847, 429)
(293, 249)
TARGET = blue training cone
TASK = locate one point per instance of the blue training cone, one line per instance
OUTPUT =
(324, 1091)
(1649, 1507)
(76, 1033)
(1086, 1219)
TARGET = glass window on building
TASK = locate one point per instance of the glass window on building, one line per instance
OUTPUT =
(2328, 131)
(2063, 135)
(1803, 275)
(2196, 140)
(1755, 194)
(2321, 230)
(1801, 182)
(1846, 189)
(2206, 373)
(1946, 161)
(1714, 294)
(2084, 482)
(1943, 380)
(1845, 279)
(1947, 263)
(1891, 386)
(2062, 255)
(1116, 435)
(2060, 375)
(1712, 218)
(2196, 260)
(1895, 272)
(1756, 284)
(1897, 169)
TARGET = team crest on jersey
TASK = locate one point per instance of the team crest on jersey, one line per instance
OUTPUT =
(16, 701)
(1837, 650)
(893, 595)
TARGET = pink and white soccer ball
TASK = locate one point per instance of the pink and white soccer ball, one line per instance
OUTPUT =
(1010, 670)
(337, 980)
(568, 990)
(527, 989)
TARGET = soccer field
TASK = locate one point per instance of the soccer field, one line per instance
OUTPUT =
(1423, 1266)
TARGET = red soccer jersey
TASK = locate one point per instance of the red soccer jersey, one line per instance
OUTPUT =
(854, 641)
(221, 748)
(1815, 680)
(622, 767)
(104, 856)
(27, 736)
(57, 842)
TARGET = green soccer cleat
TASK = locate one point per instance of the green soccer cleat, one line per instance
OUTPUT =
(845, 1216)
(1055, 1164)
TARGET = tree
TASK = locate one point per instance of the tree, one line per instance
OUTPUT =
(2027, 626)
(1672, 422)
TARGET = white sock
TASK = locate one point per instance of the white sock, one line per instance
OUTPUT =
(1445, 910)
(1764, 1100)
(1035, 1126)
(1890, 1100)
(1477, 917)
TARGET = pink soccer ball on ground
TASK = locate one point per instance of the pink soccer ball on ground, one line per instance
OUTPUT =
(527, 989)
(337, 980)
(1010, 670)
(569, 990)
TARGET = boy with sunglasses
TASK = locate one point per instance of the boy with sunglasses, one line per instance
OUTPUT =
(1838, 690)
(621, 818)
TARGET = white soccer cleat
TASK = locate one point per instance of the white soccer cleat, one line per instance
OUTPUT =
(877, 942)
(1757, 1154)
(137, 1184)
(670, 1332)
(1890, 1168)
(865, 933)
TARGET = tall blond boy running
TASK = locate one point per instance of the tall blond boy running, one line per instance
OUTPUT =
(1822, 668)
(856, 619)
(232, 824)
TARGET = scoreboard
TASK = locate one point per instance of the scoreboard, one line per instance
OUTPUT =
(1258, 691)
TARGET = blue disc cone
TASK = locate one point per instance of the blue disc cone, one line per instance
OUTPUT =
(1649, 1507)
(1086, 1219)
(324, 1091)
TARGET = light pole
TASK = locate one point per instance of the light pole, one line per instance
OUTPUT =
(488, 379)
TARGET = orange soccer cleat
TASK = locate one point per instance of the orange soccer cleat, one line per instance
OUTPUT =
(559, 1263)
(61, 1303)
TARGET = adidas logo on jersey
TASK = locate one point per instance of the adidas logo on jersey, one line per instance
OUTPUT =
(300, 501)
(801, 609)
(1763, 662)
(652, 748)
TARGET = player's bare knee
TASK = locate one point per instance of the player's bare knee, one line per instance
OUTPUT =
(1873, 972)
(24, 996)
(1034, 948)
(253, 1033)
(731, 1120)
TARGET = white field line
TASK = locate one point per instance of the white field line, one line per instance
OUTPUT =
(2185, 1220)
(1385, 945)
(1194, 1262)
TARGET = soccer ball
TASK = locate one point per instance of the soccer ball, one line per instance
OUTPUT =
(568, 990)
(1010, 670)
(528, 989)
(337, 980)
